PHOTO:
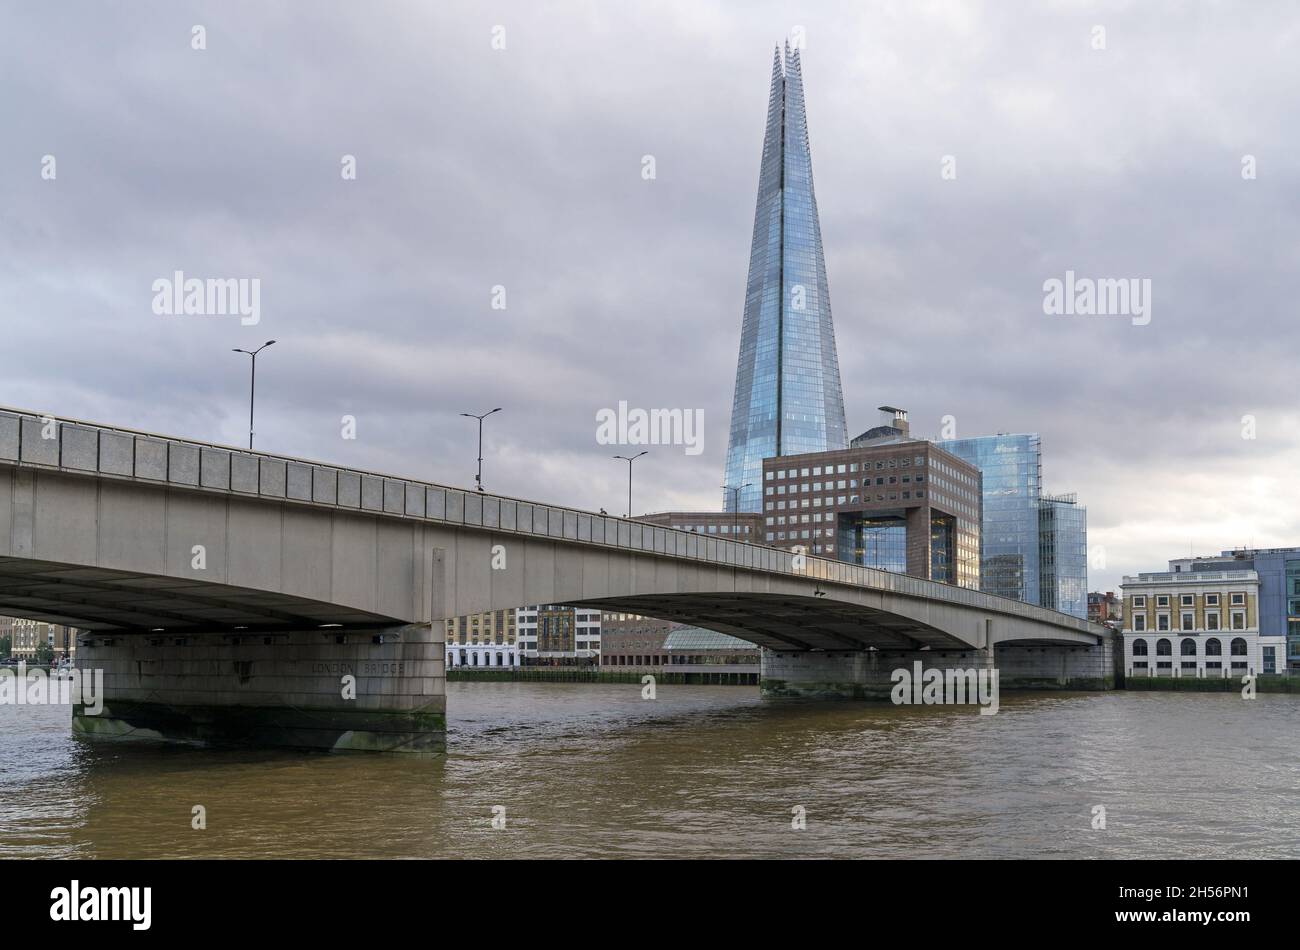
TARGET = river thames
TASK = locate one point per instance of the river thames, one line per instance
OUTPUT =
(586, 770)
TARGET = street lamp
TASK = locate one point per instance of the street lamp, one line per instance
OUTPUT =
(735, 504)
(478, 479)
(629, 461)
(252, 385)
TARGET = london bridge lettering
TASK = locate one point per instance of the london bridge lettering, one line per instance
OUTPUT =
(334, 669)
(367, 669)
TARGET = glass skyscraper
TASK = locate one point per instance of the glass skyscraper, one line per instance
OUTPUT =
(1063, 554)
(1034, 547)
(788, 398)
(1012, 469)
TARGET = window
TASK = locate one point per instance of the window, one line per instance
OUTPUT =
(1211, 600)
(1189, 621)
(1139, 600)
(1238, 600)
(1188, 600)
(1139, 622)
(1212, 621)
(1162, 622)
(1162, 600)
(1139, 647)
(1239, 620)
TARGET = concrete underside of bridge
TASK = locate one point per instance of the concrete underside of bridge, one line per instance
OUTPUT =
(869, 674)
(381, 689)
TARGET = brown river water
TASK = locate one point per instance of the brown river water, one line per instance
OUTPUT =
(587, 770)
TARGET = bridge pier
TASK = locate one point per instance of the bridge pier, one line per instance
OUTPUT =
(854, 674)
(867, 674)
(372, 690)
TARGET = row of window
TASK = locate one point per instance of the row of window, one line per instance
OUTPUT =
(1187, 647)
(1236, 599)
(796, 535)
(842, 468)
(832, 501)
(1188, 621)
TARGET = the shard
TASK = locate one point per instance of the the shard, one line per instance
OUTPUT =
(788, 397)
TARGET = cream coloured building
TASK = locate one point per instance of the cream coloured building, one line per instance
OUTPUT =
(1202, 624)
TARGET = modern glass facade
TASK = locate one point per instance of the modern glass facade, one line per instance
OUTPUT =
(873, 540)
(788, 398)
(1032, 548)
(1063, 555)
(1012, 469)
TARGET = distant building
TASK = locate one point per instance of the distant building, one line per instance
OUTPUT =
(734, 526)
(1279, 589)
(887, 501)
(1063, 554)
(1196, 623)
(631, 640)
(1034, 546)
(788, 398)
(1104, 607)
(488, 639)
(558, 635)
(644, 645)
(28, 635)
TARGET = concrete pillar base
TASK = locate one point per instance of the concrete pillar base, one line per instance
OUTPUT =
(381, 690)
(1057, 667)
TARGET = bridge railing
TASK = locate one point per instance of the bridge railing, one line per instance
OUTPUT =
(32, 440)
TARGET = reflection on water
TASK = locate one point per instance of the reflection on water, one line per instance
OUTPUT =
(593, 770)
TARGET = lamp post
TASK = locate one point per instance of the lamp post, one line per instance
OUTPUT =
(629, 461)
(478, 479)
(735, 504)
(252, 385)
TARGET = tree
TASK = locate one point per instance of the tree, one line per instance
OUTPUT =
(6, 646)
(44, 654)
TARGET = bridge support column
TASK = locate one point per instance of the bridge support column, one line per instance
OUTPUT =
(854, 674)
(374, 690)
(1057, 667)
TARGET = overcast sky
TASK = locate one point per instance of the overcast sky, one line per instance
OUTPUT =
(522, 167)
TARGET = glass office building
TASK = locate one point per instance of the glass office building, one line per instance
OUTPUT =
(1033, 547)
(788, 398)
(1012, 470)
(1063, 554)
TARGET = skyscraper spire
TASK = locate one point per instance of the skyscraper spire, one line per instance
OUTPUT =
(788, 398)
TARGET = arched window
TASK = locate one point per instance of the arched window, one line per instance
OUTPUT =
(1188, 647)
(1164, 647)
(1238, 646)
(1213, 647)
(1139, 647)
